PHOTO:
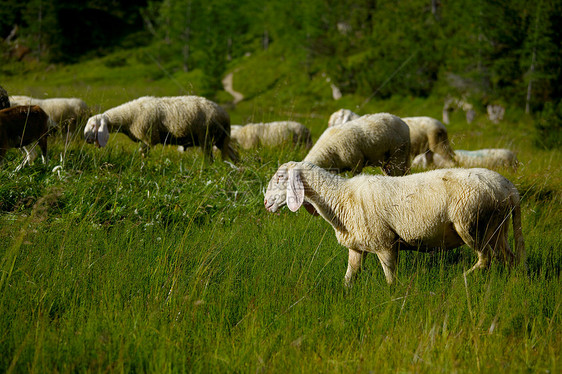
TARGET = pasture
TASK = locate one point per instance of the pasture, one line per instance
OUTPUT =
(114, 262)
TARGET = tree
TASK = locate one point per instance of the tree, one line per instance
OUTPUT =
(541, 56)
(40, 30)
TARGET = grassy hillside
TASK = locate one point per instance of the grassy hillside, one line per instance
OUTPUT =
(114, 262)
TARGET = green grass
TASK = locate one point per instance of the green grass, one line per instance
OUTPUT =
(168, 264)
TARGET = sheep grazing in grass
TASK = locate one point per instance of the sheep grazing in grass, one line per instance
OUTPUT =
(342, 116)
(21, 126)
(452, 103)
(439, 209)
(376, 140)
(428, 136)
(271, 134)
(182, 120)
(491, 158)
(66, 112)
(4, 99)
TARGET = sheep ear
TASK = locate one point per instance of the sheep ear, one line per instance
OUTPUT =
(102, 133)
(295, 190)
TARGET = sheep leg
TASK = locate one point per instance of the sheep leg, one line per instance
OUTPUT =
(507, 254)
(43, 147)
(483, 261)
(388, 260)
(354, 266)
(483, 253)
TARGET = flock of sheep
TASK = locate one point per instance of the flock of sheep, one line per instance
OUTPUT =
(380, 214)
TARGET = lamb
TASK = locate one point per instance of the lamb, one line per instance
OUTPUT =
(378, 139)
(21, 126)
(271, 134)
(439, 209)
(428, 136)
(66, 112)
(491, 158)
(181, 120)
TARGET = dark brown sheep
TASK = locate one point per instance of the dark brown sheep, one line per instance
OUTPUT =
(21, 126)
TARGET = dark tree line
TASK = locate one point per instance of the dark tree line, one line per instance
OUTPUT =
(494, 49)
(65, 30)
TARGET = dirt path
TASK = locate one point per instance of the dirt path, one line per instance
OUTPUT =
(227, 84)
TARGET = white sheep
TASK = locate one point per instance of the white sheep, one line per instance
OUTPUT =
(439, 209)
(183, 120)
(428, 136)
(21, 126)
(495, 113)
(452, 104)
(491, 158)
(377, 140)
(271, 134)
(342, 116)
(66, 112)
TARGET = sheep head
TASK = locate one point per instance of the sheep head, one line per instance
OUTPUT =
(287, 187)
(341, 116)
(96, 130)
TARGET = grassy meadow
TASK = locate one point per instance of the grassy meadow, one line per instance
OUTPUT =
(114, 262)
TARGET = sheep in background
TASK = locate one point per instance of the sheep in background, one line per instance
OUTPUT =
(4, 99)
(491, 158)
(428, 136)
(377, 140)
(183, 120)
(439, 209)
(495, 113)
(66, 112)
(21, 126)
(452, 104)
(342, 116)
(271, 134)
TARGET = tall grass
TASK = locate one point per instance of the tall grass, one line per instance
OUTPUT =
(111, 261)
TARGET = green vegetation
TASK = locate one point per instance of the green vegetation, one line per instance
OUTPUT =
(110, 261)
(489, 52)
